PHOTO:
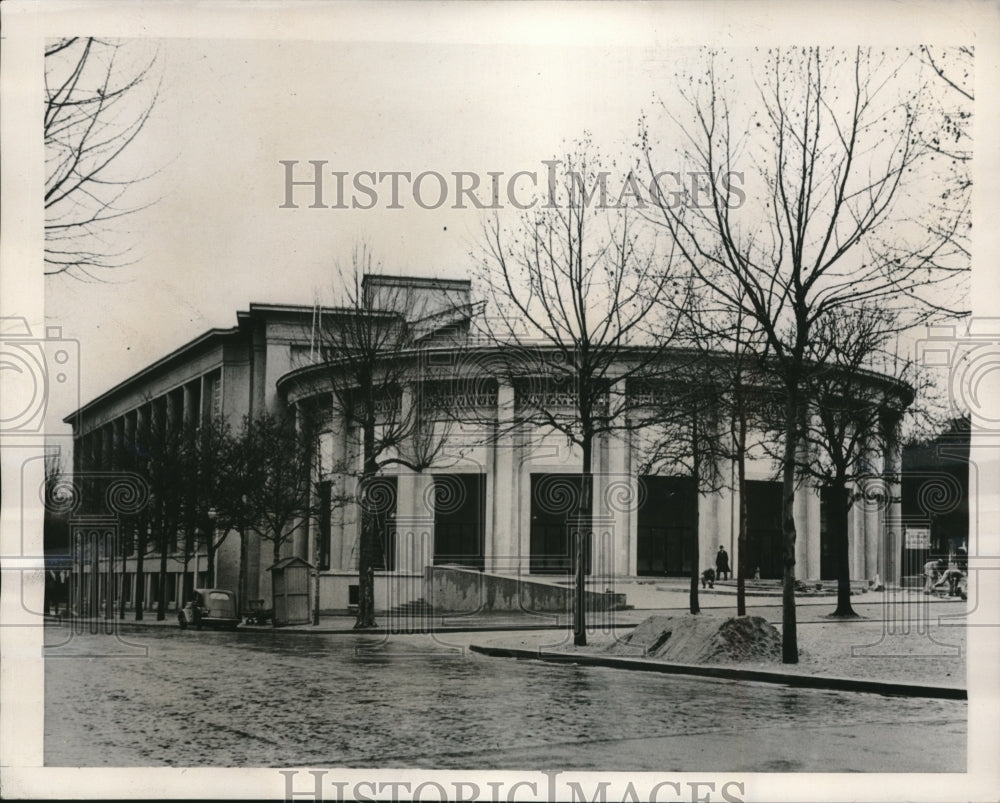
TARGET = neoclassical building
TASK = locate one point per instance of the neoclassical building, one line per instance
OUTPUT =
(498, 494)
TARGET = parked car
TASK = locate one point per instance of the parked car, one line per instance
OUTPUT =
(211, 607)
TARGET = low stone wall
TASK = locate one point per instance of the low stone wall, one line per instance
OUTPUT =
(453, 588)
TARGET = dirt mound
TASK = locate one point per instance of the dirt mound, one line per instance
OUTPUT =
(704, 638)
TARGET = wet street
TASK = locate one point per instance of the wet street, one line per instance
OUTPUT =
(162, 697)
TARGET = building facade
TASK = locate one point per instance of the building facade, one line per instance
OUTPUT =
(497, 496)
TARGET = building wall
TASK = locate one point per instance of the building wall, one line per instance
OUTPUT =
(509, 460)
(271, 342)
(228, 374)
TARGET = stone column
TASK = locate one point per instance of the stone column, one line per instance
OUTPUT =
(504, 551)
(409, 511)
(421, 507)
(338, 463)
(874, 534)
(142, 429)
(622, 493)
(812, 532)
(856, 539)
(118, 453)
(800, 513)
(105, 462)
(190, 417)
(708, 530)
(733, 512)
(301, 535)
(350, 517)
(129, 436)
(891, 552)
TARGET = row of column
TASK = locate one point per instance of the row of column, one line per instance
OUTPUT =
(873, 528)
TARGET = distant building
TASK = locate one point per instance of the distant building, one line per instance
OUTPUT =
(223, 374)
(935, 500)
(496, 505)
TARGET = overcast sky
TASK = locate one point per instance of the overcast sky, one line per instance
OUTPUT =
(230, 110)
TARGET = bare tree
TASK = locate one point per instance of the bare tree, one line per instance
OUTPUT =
(58, 486)
(741, 398)
(203, 452)
(371, 344)
(851, 410)
(272, 460)
(159, 447)
(234, 493)
(951, 110)
(946, 132)
(829, 217)
(571, 295)
(98, 99)
(686, 436)
(728, 356)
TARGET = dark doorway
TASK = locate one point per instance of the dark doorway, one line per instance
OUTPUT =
(554, 502)
(460, 519)
(325, 493)
(764, 529)
(827, 547)
(666, 521)
(382, 496)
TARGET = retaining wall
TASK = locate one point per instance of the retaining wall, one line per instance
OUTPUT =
(453, 588)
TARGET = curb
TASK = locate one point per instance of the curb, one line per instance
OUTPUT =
(728, 673)
(98, 626)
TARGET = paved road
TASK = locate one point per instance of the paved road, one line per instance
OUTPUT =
(262, 699)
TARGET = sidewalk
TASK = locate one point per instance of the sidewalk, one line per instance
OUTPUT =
(923, 654)
(916, 645)
(645, 598)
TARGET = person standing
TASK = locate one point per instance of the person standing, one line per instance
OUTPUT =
(722, 564)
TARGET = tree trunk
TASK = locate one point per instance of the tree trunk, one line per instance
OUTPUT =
(840, 506)
(140, 575)
(121, 595)
(694, 606)
(241, 583)
(584, 527)
(369, 537)
(741, 539)
(210, 559)
(161, 585)
(316, 571)
(789, 634)
(366, 563)
(188, 583)
(277, 556)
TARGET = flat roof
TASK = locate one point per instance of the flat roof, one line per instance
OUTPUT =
(255, 309)
(414, 281)
(152, 368)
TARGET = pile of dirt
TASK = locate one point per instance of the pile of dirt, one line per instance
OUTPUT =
(704, 638)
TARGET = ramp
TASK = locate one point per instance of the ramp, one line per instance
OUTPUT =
(458, 589)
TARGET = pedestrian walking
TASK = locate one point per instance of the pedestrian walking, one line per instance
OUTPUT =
(722, 564)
